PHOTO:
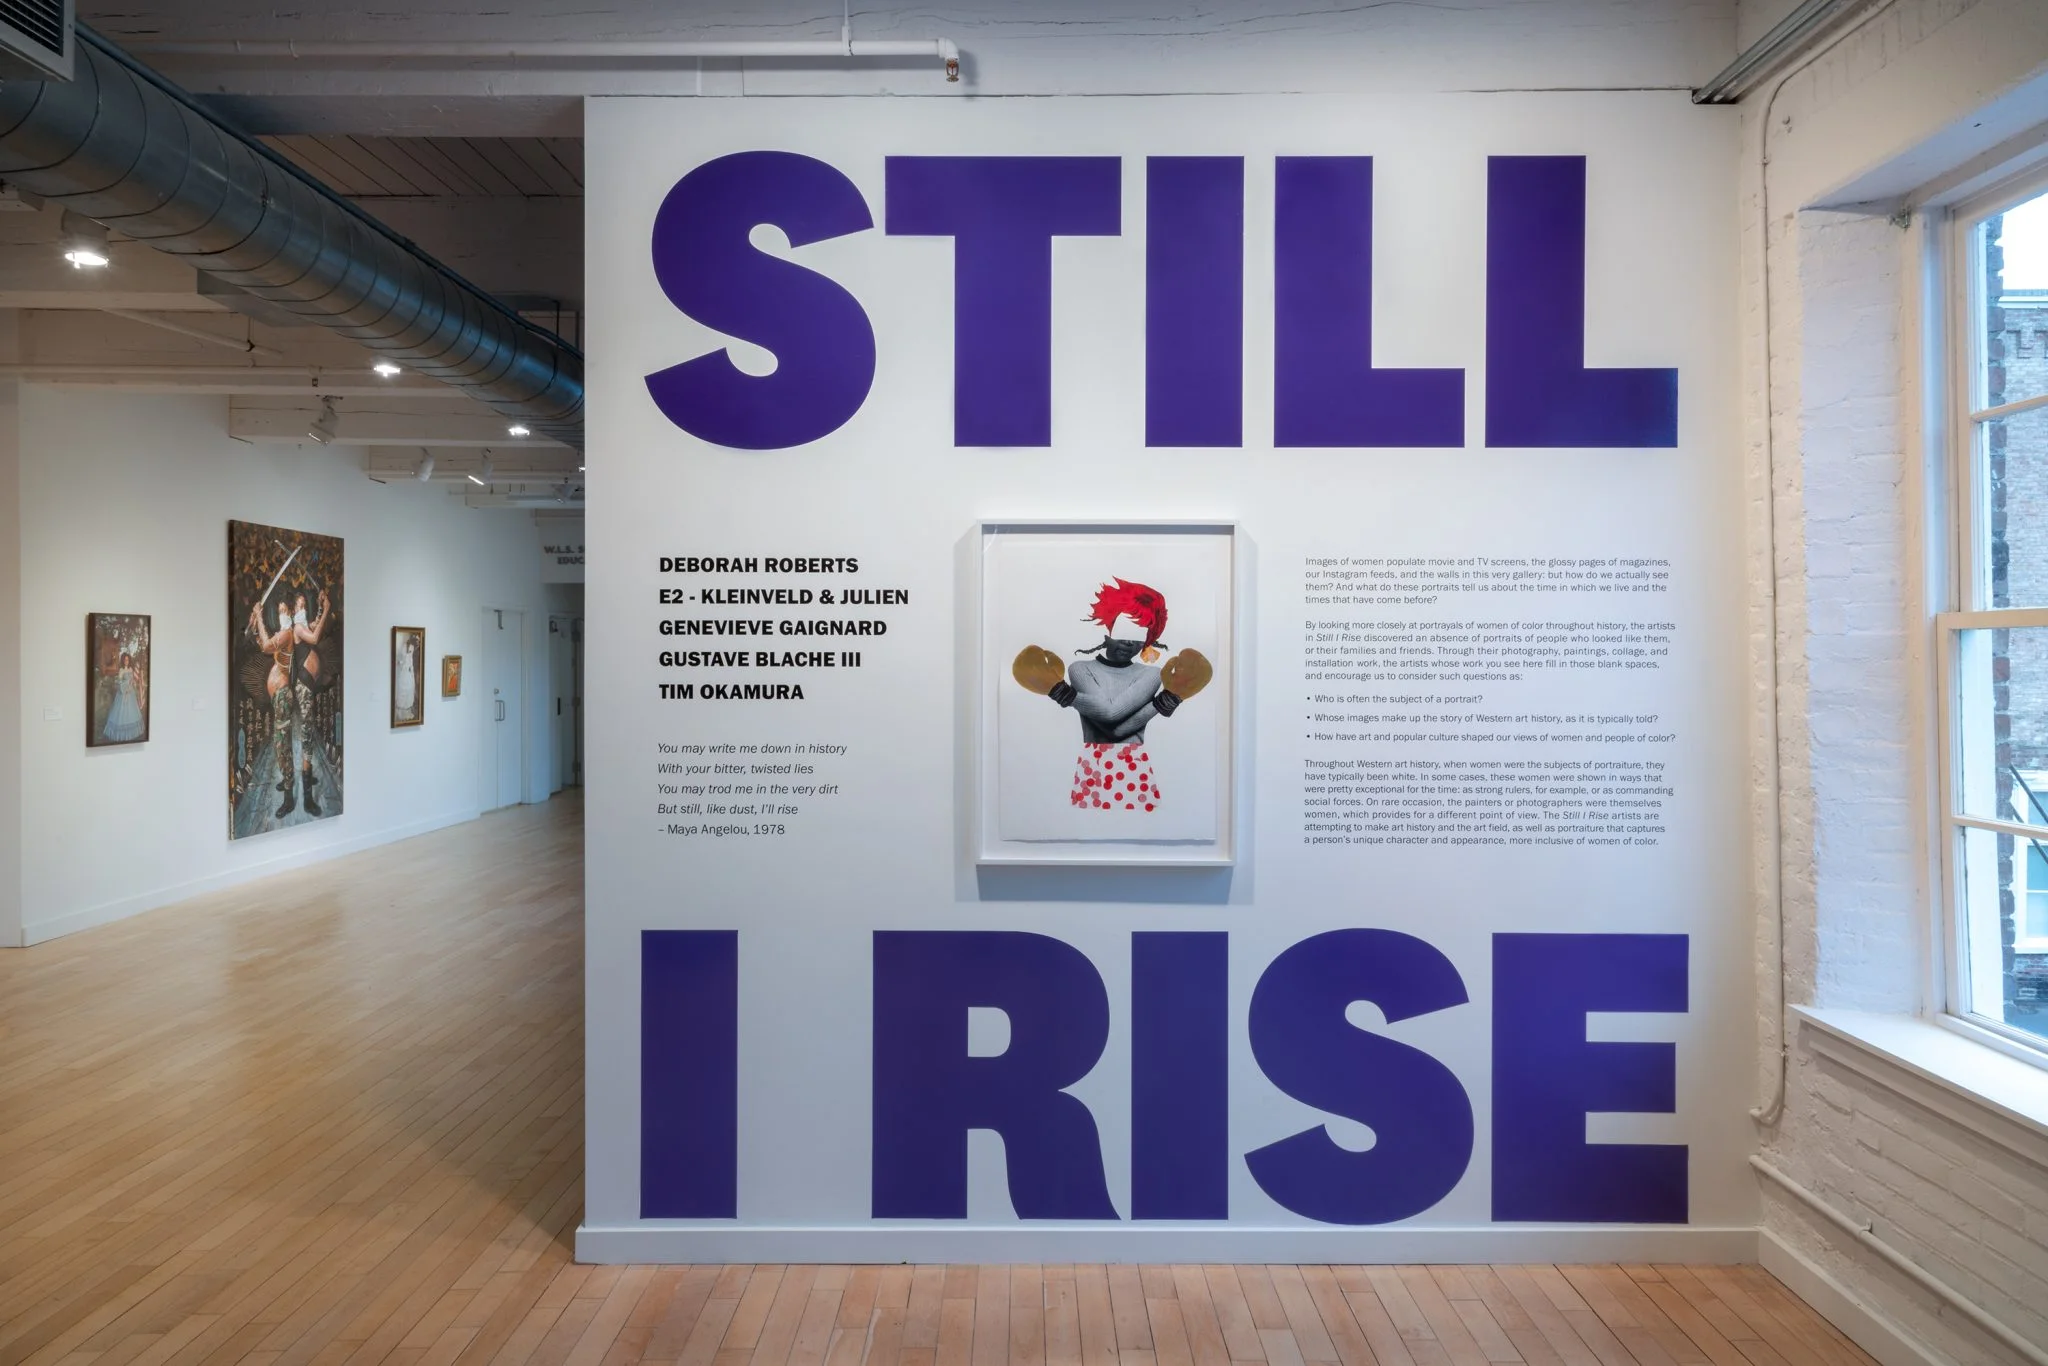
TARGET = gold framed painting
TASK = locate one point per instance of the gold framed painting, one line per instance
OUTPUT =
(408, 658)
(451, 675)
(116, 679)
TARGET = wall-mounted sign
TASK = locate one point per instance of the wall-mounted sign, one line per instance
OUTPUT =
(561, 549)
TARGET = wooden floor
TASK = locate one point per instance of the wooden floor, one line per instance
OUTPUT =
(335, 1116)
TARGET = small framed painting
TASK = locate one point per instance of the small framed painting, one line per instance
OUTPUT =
(116, 679)
(451, 675)
(408, 654)
(1107, 698)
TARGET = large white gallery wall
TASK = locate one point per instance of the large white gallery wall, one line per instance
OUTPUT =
(1459, 374)
(123, 504)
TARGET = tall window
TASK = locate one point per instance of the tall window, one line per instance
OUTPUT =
(1995, 653)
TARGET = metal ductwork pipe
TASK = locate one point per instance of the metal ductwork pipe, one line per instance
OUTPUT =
(124, 147)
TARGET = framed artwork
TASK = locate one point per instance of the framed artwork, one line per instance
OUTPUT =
(1107, 697)
(451, 675)
(284, 678)
(116, 679)
(408, 675)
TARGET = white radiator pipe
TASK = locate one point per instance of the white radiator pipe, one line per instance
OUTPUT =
(1905, 1266)
(803, 49)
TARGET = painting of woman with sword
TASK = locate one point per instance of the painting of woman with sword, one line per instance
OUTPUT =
(284, 678)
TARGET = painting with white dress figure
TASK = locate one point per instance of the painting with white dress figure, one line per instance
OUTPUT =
(408, 656)
(284, 678)
(1106, 655)
(116, 679)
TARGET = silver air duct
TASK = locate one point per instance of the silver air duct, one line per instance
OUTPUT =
(127, 149)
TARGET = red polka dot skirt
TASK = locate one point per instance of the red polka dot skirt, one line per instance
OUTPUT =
(1114, 778)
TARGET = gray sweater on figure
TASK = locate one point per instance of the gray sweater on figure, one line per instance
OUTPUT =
(1115, 704)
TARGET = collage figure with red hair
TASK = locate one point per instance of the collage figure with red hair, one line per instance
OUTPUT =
(1117, 691)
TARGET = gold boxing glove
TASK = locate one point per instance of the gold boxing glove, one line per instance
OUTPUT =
(1186, 674)
(1038, 669)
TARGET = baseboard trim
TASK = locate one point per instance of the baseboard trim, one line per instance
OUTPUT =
(698, 1243)
(71, 922)
(1835, 1302)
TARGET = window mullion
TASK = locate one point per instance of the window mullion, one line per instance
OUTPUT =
(2013, 409)
(2017, 829)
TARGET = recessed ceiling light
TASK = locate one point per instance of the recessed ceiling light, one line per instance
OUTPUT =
(387, 369)
(519, 429)
(84, 242)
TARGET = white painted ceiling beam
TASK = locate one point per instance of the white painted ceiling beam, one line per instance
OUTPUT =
(101, 350)
(105, 351)
(538, 501)
(547, 485)
(34, 274)
(455, 465)
(89, 337)
(532, 479)
(291, 382)
(113, 296)
(375, 422)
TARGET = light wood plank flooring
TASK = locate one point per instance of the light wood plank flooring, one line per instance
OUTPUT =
(336, 1117)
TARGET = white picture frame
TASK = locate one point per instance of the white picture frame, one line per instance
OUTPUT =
(1034, 762)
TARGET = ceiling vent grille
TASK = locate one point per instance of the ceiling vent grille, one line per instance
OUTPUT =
(35, 39)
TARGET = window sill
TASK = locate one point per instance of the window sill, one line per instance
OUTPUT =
(2006, 1099)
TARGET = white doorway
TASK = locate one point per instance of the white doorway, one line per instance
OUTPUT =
(501, 683)
(565, 719)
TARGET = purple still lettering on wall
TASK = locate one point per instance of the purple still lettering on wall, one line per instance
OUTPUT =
(823, 345)
(1326, 390)
(1415, 1106)
(1538, 389)
(929, 1091)
(1003, 214)
(1194, 302)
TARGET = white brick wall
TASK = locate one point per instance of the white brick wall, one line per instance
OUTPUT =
(1971, 1211)
(1857, 892)
(1855, 707)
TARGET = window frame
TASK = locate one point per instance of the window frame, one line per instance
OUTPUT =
(1964, 531)
(2035, 783)
(2024, 887)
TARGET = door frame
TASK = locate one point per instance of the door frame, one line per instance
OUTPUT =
(562, 756)
(486, 740)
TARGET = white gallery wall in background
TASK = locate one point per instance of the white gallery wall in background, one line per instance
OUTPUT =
(11, 737)
(124, 507)
(1460, 371)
